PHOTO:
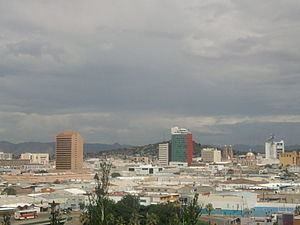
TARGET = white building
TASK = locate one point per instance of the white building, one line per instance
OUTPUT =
(145, 170)
(5, 156)
(177, 130)
(273, 149)
(211, 155)
(163, 154)
(38, 158)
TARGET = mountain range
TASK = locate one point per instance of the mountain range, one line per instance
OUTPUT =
(48, 147)
(90, 148)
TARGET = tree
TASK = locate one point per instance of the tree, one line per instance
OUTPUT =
(152, 219)
(6, 219)
(81, 205)
(247, 212)
(297, 210)
(99, 209)
(128, 208)
(56, 181)
(9, 191)
(209, 208)
(113, 175)
(191, 212)
(120, 221)
(55, 218)
(134, 219)
(166, 213)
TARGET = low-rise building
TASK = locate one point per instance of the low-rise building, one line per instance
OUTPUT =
(289, 158)
(39, 158)
(5, 156)
(145, 170)
(141, 160)
(14, 163)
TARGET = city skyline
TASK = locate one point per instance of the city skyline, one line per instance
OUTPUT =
(128, 71)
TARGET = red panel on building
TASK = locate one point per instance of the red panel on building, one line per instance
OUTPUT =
(189, 149)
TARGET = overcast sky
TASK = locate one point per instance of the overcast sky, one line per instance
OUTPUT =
(128, 70)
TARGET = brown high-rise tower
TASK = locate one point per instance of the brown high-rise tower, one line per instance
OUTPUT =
(69, 151)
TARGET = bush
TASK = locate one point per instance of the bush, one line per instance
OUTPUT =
(113, 175)
(9, 191)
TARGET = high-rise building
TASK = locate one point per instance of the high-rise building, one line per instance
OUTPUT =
(69, 151)
(38, 158)
(163, 154)
(211, 155)
(181, 145)
(273, 149)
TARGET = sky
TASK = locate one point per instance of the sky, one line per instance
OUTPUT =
(127, 71)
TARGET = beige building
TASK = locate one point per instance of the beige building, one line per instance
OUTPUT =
(289, 158)
(211, 155)
(69, 151)
(36, 158)
(163, 154)
(227, 153)
(141, 160)
(14, 163)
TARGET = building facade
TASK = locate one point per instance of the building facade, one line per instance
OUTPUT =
(14, 163)
(5, 156)
(211, 155)
(69, 151)
(37, 158)
(140, 159)
(289, 159)
(273, 149)
(181, 145)
(227, 153)
(163, 154)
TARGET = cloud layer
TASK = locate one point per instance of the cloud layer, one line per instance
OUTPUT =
(126, 71)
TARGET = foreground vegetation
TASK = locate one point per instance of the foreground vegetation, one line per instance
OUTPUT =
(128, 211)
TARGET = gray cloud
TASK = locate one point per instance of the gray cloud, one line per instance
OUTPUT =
(147, 66)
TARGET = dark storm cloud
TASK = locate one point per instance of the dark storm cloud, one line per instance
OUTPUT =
(129, 70)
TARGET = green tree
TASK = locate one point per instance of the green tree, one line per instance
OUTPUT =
(152, 219)
(6, 219)
(84, 218)
(209, 208)
(297, 210)
(128, 208)
(81, 205)
(113, 175)
(166, 213)
(120, 221)
(134, 219)
(55, 218)
(100, 207)
(9, 191)
(191, 212)
(247, 212)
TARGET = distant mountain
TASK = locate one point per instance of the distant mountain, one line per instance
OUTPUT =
(35, 147)
(94, 150)
(261, 148)
(248, 148)
(150, 150)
